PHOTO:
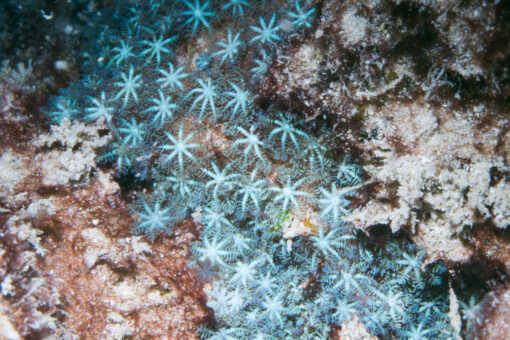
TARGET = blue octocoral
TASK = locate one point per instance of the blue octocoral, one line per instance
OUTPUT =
(154, 219)
(203, 144)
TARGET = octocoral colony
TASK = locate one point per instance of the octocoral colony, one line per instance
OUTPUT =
(175, 88)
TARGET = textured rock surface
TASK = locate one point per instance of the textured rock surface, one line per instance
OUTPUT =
(493, 320)
(413, 89)
(69, 266)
